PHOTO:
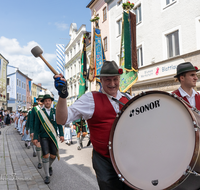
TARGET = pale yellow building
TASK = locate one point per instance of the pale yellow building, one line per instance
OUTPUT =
(33, 92)
(3, 82)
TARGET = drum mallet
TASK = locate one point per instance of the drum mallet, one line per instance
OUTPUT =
(37, 52)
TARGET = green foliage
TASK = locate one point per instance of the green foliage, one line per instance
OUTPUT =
(95, 19)
(127, 5)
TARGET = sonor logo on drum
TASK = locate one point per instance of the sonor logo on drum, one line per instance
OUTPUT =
(147, 107)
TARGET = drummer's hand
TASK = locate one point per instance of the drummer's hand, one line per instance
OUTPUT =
(61, 77)
(61, 139)
(60, 84)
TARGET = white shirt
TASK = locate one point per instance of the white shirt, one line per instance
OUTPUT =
(48, 110)
(191, 99)
(84, 107)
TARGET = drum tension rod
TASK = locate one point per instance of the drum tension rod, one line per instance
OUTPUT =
(194, 173)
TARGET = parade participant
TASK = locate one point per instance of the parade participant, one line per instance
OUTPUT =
(46, 128)
(19, 120)
(29, 129)
(186, 75)
(68, 134)
(81, 131)
(26, 137)
(32, 129)
(17, 114)
(100, 110)
(8, 120)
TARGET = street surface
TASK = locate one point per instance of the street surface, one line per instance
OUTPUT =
(73, 172)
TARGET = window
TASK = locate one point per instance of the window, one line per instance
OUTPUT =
(105, 44)
(138, 13)
(8, 81)
(8, 96)
(74, 49)
(119, 2)
(74, 69)
(119, 27)
(169, 1)
(17, 82)
(17, 96)
(104, 14)
(139, 56)
(78, 45)
(173, 44)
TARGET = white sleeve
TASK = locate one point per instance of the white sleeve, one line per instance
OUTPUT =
(83, 107)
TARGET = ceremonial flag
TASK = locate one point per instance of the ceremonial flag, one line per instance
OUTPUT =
(97, 55)
(128, 52)
(60, 58)
(83, 74)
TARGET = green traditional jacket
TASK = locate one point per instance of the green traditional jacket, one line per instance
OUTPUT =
(77, 123)
(28, 121)
(38, 128)
(32, 120)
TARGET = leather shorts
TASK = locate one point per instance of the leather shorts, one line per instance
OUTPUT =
(48, 146)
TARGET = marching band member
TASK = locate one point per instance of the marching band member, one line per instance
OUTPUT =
(32, 128)
(81, 131)
(100, 110)
(46, 128)
(26, 136)
(186, 75)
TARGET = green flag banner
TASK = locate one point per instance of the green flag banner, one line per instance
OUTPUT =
(128, 47)
(82, 81)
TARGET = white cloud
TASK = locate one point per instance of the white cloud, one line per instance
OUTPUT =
(22, 58)
(62, 26)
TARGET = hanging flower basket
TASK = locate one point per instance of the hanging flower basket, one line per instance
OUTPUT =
(94, 19)
(128, 5)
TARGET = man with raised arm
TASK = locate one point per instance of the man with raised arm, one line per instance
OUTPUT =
(100, 110)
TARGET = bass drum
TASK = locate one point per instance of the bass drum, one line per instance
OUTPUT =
(154, 143)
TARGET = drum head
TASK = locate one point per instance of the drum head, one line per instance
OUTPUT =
(152, 142)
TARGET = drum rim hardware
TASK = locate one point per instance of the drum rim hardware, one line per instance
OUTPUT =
(193, 108)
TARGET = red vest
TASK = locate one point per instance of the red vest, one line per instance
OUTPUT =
(101, 122)
(197, 98)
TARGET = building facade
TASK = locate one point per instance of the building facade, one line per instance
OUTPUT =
(28, 92)
(3, 82)
(73, 60)
(17, 89)
(168, 33)
(102, 10)
(33, 93)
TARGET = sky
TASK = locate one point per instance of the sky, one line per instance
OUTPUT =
(27, 23)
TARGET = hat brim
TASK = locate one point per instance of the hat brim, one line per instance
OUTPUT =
(186, 72)
(47, 98)
(107, 75)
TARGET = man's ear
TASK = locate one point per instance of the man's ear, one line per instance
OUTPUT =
(182, 78)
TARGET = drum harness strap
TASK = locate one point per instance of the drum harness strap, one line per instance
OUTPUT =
(119, 101)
